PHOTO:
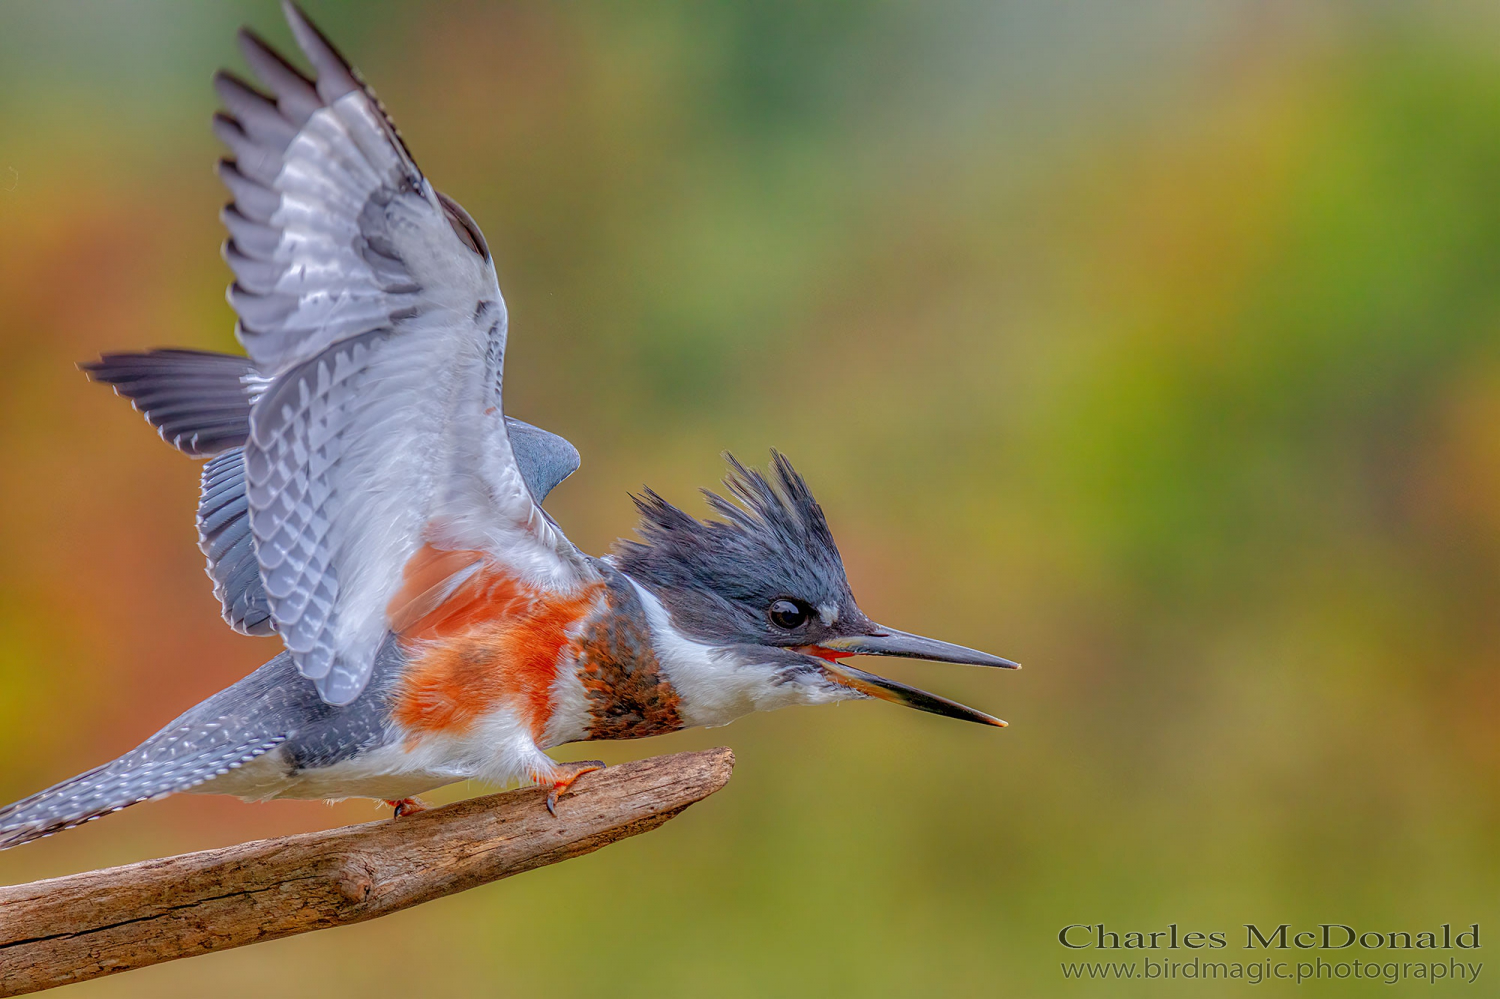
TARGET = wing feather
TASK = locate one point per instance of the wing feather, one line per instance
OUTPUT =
(201, 401)
(370, 300)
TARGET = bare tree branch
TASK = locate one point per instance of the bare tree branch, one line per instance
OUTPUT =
(74, 928)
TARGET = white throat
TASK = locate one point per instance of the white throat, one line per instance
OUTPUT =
(715, 686)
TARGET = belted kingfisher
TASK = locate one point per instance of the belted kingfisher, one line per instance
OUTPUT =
(367, 500)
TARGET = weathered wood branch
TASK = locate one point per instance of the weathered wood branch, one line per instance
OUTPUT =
(74, 928)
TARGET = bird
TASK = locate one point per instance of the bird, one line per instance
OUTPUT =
(366, 500)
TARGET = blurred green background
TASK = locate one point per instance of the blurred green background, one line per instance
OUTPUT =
(1156, 345)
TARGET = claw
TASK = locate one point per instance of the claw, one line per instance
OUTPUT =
(564, 776)
(405, 806)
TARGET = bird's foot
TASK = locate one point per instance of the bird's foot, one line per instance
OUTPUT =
(406, 806)
(563, 777)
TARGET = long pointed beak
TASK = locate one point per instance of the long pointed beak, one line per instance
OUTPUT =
(890, 642)
(900, 693)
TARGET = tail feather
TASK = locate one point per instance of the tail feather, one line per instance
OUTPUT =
(273, 708)
(166, 763)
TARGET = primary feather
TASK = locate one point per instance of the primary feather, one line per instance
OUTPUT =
(200, 401)
(371, 302)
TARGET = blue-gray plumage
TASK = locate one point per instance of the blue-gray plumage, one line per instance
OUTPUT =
(718, 577)
(200, 402)
(197, 400)
(225, 540)
(273, 710)
(545, 458)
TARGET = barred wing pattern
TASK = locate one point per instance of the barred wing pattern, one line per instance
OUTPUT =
(200, 402)
(371, 302)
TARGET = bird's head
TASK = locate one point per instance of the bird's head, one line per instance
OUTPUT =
(764, 589)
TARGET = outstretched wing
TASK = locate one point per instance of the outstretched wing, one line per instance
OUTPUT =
(371, 302)
(200, 402)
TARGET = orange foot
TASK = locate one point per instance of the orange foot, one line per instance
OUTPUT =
(563, 777)
(406, 806)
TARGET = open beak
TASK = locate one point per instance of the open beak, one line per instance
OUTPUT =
(889, 642)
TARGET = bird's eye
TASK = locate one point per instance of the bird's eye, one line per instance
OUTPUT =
(788, 615)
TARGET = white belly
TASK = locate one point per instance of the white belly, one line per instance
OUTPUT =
(381, 773)
(498, 749)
